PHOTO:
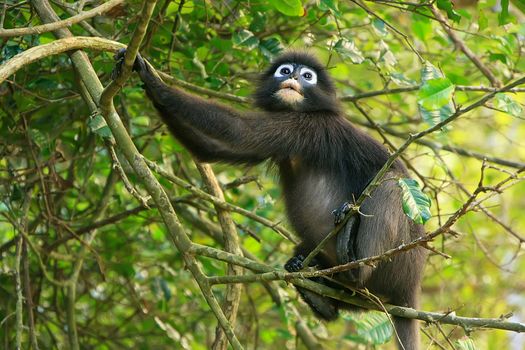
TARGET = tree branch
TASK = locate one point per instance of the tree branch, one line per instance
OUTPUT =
(7, 33)
(56, 47)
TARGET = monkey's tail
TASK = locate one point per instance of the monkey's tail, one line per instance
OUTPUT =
(408, 332)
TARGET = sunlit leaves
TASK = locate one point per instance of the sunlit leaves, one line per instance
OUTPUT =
(288, 7)
(416, 204)
(506, 104)
(371, 328)
(435, 93)
(435, 97)
(348, 50)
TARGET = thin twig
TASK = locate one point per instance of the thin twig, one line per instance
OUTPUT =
(461, 45)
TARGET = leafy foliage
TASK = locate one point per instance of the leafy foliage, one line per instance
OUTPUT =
(372, 328)
(61, 191)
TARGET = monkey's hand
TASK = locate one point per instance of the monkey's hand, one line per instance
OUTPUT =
(340, 213)
(295, 264)
(138, 66)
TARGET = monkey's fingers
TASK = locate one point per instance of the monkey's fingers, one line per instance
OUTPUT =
(138, 65)
(119, 58)
(295, 264)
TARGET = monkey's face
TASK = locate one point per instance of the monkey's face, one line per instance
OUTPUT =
(293, 79)
(296, 82)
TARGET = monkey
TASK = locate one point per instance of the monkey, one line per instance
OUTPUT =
(323, 162)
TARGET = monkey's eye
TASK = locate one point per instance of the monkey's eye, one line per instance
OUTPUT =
(282, 70)
(309, 76)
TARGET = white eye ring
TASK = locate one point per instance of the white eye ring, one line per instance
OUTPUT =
(282, 70)
(308, 75)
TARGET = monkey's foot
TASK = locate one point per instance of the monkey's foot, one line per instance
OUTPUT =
(295, 264)
(340, 213)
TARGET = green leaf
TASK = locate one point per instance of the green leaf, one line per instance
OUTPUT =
(465, 343)
(504, 16)
(371, 328)
(245, 38)
(483, 21)
(288, 7)
(421, 27)
(416, 204)
(98, 125)
(446, 5)
(331, 5)
(505, 103)
(348, 50)
(436, 93)
(433, 116)
(271, 47)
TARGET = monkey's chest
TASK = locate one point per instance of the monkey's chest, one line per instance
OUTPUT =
(310, 199)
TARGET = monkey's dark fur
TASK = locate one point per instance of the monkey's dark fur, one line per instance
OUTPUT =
(323, 161)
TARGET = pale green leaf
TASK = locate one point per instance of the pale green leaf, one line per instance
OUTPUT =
(98, 125)
(245, 38)
(505, 103)
(429, 72)
(436, 116)
(436, 93)
(416, 204)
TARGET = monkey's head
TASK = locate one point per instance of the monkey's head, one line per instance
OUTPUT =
(296, 81)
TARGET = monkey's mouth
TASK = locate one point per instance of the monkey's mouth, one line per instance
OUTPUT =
(291, 85)
(290, 92)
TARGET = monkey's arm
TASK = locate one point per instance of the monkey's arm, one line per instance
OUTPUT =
(211, 131)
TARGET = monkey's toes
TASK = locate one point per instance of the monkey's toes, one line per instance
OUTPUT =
(295, 264)
(340, 213)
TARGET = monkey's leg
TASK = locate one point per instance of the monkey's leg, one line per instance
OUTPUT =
(323, 307)
(346, 243)
(384, 226)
